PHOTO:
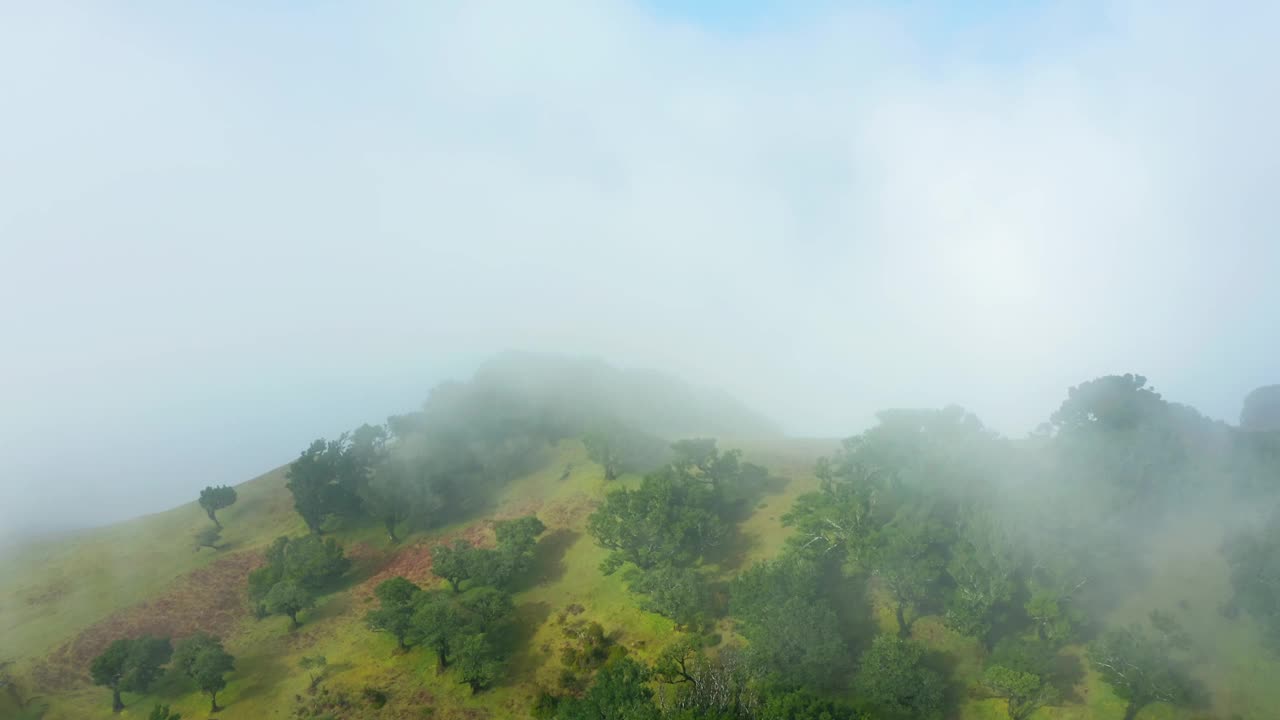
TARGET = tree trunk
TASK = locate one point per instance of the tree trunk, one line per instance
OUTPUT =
(116, 703)
(400, 644)
(442, 661)
(454, 582)
(1131, 711)
(391, 530)
(293, 620)
(213, 697)
(214, 517)
(900, 613)
(1040, 631)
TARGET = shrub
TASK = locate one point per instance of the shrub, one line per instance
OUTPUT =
(374, 696)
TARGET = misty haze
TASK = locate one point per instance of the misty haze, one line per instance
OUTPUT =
(640, 359)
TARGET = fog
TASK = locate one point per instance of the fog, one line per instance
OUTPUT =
(227, 230)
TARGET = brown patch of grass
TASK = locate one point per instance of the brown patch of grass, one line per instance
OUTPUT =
(528, 507)
(210, 599)
(572, 512)
(413, 562)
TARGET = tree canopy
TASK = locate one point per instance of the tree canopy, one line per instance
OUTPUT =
(1261, 411)
(1026, 692)
(447, 623)
(620, 449)
(791, 626)
(668, 520)
(478, 662)
(454, 563)
(1143, 668)
(619, 692)
(909, 558)
(310, 562)
(289, 597)
(679, 593)
(202, 658)
(213, 499)
(130, 665)
(896, 681)
(1254, 559)
(437, 623)
(397, 598)
(324, 481)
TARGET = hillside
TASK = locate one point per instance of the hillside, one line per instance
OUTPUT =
(77, 594)
(647, 400)
(72, 601)
(968, 545)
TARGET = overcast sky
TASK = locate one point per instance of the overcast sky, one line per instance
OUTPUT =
(228, 228)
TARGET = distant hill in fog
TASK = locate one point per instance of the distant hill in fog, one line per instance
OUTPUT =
(647, 400)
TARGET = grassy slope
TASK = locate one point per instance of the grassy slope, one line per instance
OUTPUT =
(58, 589)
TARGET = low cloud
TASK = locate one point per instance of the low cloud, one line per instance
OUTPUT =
(226, 230)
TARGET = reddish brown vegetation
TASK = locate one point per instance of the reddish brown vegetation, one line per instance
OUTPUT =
(210, 599)
(571, 512)
(413, 562)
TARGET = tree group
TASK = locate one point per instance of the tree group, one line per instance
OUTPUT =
(134, 664)
(202, 658)
(423, 467)
(463, 627)
(130, 665)
(296, 571)
(468, 439)
(1022, 545)
(497, 567)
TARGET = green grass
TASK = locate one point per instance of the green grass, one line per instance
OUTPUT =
(1189, 578)
(56, 590)
(267, 678)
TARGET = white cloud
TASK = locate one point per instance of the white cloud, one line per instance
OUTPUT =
(845, 212)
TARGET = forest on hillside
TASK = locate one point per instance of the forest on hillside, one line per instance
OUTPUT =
(1026, 546)
(1027, 549)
